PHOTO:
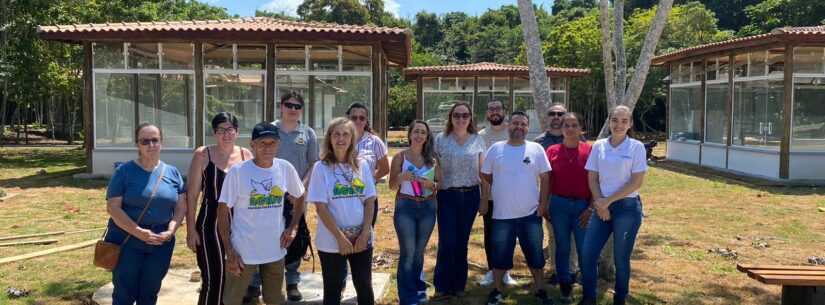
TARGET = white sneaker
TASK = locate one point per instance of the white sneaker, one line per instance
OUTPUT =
(509, 281)
(487, 280)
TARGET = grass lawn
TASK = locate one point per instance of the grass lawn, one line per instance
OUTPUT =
(687, 213)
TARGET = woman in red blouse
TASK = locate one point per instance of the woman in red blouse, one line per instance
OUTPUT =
(569, 204)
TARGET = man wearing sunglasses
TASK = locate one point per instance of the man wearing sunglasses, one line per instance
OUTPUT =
(553, 135)
(299, 146)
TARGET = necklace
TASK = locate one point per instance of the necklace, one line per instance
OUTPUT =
(571, 151)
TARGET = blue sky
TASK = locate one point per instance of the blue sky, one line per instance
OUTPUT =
(401, 8)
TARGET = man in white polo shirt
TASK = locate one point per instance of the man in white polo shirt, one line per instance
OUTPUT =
(255, 191)
(518, 171)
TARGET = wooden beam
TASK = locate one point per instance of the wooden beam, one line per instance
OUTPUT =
(88, 87)
(269, 94)
(787, 113)
(200, 92)
(511, 101)
(667, 101)
(376, 88)
(419, 97)
(32, 235)
(29, 242)
(80, 245)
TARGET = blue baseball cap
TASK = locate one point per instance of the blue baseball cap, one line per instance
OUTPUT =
(265, 129)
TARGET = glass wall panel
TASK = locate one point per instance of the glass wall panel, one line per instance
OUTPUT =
(758, 63)
(716, 131)
(696, 72)
(809, 114)
(114, 110)
(809, 60)
(430, 83)
(776, 62)
(290, 58)
(757, 113)
(490, 89)
(740, 66)
(217, 56)
(163, 99)
(323, 58)
(240, 94)
(143, 56)
(710, 70)
(357, 58)
(723, 67)
(108, 55)
(177, 56)
(251, 57)
(685, 113)
(333, 94)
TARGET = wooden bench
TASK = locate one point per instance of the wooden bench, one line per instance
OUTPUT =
(801, 285)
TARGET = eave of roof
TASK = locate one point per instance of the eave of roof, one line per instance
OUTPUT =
(396, 42)
(486, 69)
(798, 35)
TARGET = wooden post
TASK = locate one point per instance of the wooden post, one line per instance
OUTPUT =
(269, 88)
(419, 98)
(729, 106)
(511, 94)
(200, 92)
(703, 105)
(88, 87)
(667, 102)
(377, 99)
(787, 112)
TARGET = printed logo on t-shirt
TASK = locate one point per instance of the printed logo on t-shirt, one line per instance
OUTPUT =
(264, 195)
(345, 191)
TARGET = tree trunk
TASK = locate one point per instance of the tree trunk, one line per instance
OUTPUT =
(631, 94)
(535, 59)
(618, 46)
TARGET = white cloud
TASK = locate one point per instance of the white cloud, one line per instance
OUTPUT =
(288, 7)
(392, 7)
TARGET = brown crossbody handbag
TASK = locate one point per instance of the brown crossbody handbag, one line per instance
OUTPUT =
(106, 253)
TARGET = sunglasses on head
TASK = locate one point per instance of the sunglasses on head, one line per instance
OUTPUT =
(293, 106)
(146, 142)
(555, 113)
(357, 118)
(465, 115)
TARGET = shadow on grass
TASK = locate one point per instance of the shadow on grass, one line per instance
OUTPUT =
(753, 183)
(79, 292)
(54, 179)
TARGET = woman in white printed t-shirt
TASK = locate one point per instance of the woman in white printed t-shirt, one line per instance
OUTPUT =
(616, 168)
(342, 189)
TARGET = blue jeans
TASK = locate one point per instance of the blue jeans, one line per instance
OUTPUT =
(414, 223)
(564, 217)
(140, 271)
(530, 234)
(624, 223)
(456, 212)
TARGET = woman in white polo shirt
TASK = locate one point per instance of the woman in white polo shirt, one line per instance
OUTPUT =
(616, 169)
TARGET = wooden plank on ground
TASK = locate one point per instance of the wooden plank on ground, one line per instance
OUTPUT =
(32, 235)
(48, 251)
(790, 272)
(29, 242)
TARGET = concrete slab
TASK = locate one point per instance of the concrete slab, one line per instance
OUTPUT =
(177, 289)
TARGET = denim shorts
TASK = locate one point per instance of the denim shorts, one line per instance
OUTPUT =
(530, 234)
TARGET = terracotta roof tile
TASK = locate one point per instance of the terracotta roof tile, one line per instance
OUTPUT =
(396, 41)
(777, 35)
(487, 68)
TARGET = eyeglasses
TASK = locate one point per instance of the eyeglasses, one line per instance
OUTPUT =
(555, 113)
(458, 115)
(293, 106)
(229, 131)
(357, 118)
(146, 142)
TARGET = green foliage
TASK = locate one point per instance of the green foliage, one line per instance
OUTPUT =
(338, 11)
(770, 14)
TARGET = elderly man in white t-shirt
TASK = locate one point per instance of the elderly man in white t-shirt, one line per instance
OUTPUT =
(255, 190)
(518, 171)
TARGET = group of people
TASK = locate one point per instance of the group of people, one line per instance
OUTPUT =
(250, 234)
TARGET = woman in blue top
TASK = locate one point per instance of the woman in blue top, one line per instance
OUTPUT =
(145, 257)
(616, 168)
